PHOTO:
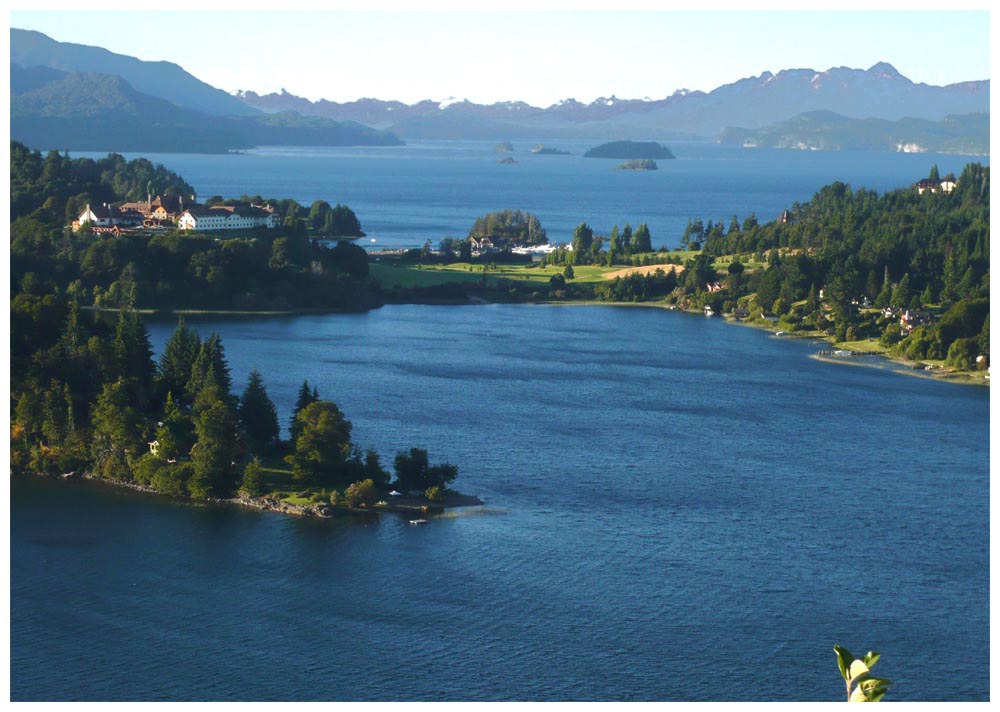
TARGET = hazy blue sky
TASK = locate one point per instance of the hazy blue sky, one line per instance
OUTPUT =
(538, 57)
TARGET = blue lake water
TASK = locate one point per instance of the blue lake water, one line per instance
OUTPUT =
(676, 509)
(426, 190)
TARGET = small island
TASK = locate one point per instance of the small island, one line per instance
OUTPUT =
(504, 147)
(508, 161)
(543, 150)
(640, 164)
(630, 149)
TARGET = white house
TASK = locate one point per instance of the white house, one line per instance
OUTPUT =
(226, 217)
(98, 215)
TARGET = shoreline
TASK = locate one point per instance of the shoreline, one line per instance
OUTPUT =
(321, 510)
(905, 366)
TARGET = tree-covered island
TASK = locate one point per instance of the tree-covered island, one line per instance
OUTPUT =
(630, 149)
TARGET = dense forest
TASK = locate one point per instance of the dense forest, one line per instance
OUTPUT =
(857, 264)
(509, 227)
(909, 269)
(262, 269)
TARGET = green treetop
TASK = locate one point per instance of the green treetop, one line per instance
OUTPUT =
(323, 444)
(257, 413)
(178, 358)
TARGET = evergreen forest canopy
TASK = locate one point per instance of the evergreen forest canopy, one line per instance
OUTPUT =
(630, 149)
(88, 397)
(510, 228)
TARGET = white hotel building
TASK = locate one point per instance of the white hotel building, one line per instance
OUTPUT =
(226, 217)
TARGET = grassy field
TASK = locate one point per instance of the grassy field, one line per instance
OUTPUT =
(864, 346)
(429, 275)
(392, 274)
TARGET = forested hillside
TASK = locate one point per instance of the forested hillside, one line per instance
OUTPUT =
(258, 270)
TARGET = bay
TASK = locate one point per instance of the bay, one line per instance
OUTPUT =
(676, 509)
(426, 190)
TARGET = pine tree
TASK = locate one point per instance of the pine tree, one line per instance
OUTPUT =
(117, 438)
(901, 294)
(72, 338)
(641, 241)
(134, 357)
(212, 459)
(252, 484)
(614, 246)
(306, 396)
(210, 365)
(257, 413)
(178, 358)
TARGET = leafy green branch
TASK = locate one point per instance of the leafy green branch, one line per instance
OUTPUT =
(860, 686)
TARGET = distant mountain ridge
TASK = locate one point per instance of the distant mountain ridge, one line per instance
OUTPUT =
(878, 92)
(164, 80)
(88, 111)
(828, 131)
(84, 98)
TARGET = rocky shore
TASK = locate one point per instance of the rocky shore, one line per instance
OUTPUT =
(417, 506)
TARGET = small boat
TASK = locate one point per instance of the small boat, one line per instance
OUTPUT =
(415, 522)
(780, 333)
(841, 352)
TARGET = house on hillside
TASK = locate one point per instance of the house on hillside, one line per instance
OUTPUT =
(107, 219)
(226, 217)
(945, 185)
(97, 216)
(911, 319)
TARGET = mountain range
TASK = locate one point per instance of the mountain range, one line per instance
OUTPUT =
(879, 92)
(78, 97)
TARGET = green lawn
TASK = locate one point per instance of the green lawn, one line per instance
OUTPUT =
(428, 275)
(392, 274)
(864, 346)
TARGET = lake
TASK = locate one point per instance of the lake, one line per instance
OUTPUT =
(426, 190)
(675, 509)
